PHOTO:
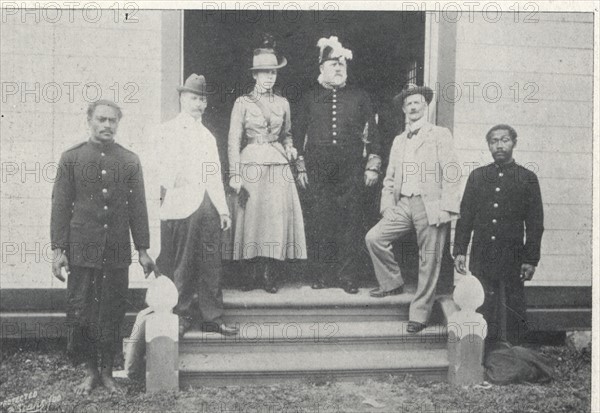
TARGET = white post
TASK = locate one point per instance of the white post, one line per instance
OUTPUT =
(162, 337)
(467, 330)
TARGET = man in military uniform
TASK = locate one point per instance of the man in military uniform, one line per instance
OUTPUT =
(342, 151)
(501, 204)
(193, 211)
(98, 198)
(418, 193)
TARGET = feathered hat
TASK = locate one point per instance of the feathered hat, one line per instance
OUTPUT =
(332, 49)
(265, 58)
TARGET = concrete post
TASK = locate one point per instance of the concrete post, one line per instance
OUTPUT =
(162, 337)
(467, 330)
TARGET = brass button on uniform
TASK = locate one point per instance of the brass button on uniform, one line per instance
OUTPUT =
(494, 221)
(496, 205)
(104, 172)
(334, 133)
(105, 226)
(104, 190)
(102, 154)
(501, 174)
(493, 238)
(105, 207)
(497, 189)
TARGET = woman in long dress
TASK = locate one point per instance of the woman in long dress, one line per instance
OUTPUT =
(269, 227)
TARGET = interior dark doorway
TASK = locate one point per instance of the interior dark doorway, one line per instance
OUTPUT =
(388, 51)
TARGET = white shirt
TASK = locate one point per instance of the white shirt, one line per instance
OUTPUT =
(412, 176)
(189, 167)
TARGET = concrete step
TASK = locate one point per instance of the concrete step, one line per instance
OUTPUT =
(305, 305)
(315, 336)
(261, 368)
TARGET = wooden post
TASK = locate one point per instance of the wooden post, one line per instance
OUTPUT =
(162, 337)
(467, 330)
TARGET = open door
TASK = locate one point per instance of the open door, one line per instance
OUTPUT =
(388, 48)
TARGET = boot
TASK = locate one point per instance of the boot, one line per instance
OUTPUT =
(268, 278)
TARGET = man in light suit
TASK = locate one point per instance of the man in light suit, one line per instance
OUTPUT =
(420, 191)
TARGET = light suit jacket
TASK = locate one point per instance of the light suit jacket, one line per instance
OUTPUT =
(437, 167)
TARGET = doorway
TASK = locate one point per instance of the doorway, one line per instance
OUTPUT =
(388, 51)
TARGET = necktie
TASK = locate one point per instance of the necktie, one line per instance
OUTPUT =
(412, 133)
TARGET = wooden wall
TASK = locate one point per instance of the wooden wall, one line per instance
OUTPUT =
(550, 63)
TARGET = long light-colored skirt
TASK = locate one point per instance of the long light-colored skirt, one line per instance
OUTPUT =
(270, 224)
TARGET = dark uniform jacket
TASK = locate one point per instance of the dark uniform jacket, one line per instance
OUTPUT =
(98, 197)
(336, 118)
(500, 206)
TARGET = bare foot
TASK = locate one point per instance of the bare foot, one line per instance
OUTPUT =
(88, 384)
(110, 384)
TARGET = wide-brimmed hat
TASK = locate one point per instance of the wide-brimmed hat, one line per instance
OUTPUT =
(194, 84)
(412, 89)
(265, 57)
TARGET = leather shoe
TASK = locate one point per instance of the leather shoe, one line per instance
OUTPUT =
(220, 328)
(415, 327)
(350, 288)
(226, 330)
(380, 293)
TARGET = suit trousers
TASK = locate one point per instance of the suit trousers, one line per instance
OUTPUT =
(409, 214)
(190, 255)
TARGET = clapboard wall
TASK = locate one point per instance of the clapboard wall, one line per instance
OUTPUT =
(535, 75)
(64, 62)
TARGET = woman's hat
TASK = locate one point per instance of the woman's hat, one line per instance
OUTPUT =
(412, 89)
(194, 84)
(265, 58)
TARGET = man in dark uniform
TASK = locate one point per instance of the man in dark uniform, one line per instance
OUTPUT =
(98, 198)
(342, 151)
(501, 204)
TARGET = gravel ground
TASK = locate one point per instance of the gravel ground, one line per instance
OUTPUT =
(44, 378)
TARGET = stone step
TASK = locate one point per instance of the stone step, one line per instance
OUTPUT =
(315, 336)
(305, 305)
(261, 368)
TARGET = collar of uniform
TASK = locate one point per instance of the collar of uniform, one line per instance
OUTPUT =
(506, 166)
(103, 146)
(329, 86)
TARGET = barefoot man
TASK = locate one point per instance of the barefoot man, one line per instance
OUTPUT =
(98, 198)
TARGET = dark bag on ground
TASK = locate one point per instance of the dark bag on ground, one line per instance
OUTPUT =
(506, 364)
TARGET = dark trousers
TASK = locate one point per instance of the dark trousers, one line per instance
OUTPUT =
(96, 304)
(504, 309)
(337, 217)
(190, 255)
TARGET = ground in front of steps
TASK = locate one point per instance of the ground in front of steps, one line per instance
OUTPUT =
(43, 373)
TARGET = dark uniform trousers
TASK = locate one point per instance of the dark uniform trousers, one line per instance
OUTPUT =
(337, 214)
(97, 301)
(190, 253)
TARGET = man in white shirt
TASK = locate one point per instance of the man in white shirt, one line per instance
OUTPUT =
(420, 191)
(193, 212)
